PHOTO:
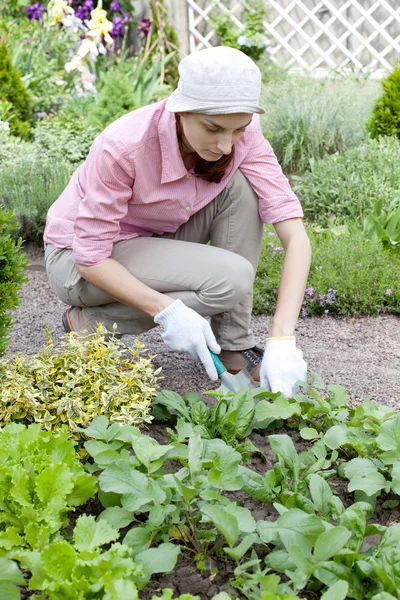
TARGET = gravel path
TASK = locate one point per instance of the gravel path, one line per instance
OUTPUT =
(361, 354)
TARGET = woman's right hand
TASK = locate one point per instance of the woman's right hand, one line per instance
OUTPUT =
(187, 331)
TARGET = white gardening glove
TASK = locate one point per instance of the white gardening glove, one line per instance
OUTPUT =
(187, 331)
(282, 366)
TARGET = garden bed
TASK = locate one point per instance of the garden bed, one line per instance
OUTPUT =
(361, 354)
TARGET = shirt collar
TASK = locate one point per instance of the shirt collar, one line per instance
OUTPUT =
(173, 167)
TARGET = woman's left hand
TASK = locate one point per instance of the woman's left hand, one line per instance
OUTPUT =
(282, 366)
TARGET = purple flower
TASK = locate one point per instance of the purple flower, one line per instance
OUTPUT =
(126, 17)
(303, 312)
(309, 291)
(35, 11)
(118, 28)
(143, 27)
(83, 12)
(115, 6)
(388, 292)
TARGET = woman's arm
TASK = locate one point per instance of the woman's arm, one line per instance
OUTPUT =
(295, 271)
(114, 279)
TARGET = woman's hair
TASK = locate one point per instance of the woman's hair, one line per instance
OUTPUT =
(212, 171)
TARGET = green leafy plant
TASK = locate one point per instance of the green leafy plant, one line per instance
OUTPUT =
(184, 505)
(307, 119)
(347, 185)
(86, 378)
(230, 418)
(82, 569)
(41, 480)
(252, 38)
(29, 185)
(381, 224)
(349, 275)
(12, 89)
(385, 119)
(65, 135)
(12, 266)
(125, 88)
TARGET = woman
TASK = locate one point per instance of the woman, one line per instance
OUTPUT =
(127, 241)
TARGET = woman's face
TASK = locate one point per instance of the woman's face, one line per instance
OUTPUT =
(212, 136)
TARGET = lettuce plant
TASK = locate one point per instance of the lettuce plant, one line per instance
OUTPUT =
(41, 480)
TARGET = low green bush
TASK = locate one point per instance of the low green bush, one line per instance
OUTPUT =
(12, 89)
(126, 87)
(385, 119)
(12, 266)
(306, 118)
(29, 185)
(349, 184)
(65, 135)
(348, 276)
(86, 378)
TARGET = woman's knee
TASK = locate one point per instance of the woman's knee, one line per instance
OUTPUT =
(241, 277)
(232, 280)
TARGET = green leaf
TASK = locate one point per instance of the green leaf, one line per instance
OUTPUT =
(158, 560)
(173, 401)
(364, 476)
(281, 408)
(120, 478)
(396, 477)
(283, 447)
(224, 521)
(53, 482)
(9, 572)
(301, 562)
(97, 428)
(85, 487)
(309, 433)
(148, 450)
(316, 381)
(8, 591)
(337, 592)
(321, 493)
(90, 534)
(389, 437)
(195, 453)
(241, 408)
(58, 560)
(244, 517)
(255, 485)
(117, 517)
(240, 550)
(330, 543)
(293, 527)
(139, 539)
(336, 437)
(340, 394)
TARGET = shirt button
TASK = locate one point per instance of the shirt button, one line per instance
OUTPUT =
(188, 208)
(189, 176)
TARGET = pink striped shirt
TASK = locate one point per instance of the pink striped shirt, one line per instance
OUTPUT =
(134, 183)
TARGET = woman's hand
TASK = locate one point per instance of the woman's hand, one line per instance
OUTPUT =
(282, 366)
(187, 331)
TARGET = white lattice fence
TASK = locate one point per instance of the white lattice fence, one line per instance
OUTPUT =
(314, 35)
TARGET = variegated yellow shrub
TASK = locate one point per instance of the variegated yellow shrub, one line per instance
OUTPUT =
(97, 376)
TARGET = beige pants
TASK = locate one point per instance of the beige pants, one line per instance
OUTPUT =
(215, 280)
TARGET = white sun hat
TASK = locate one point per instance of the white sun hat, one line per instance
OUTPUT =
(215, 81)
